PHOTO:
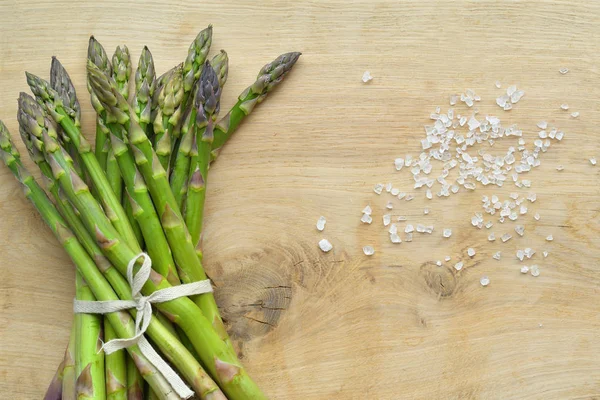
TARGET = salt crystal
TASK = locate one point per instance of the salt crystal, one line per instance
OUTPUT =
(511, 89)
(366, 219)
(497, 255)
(420, 228)
(378, 188)
(453, 99)
(426, 211)
(409, 228)
(395, 238)
(366, 77)
(473, 123)
(545, 253)
(454, 189)
(387, 218)
(447, 233)
(516, 96)
(484, 281)
(368, 250)
(458, 266)
(447, 258)
(575, 114)
(514, 196)
(399, 163)
(564, 106)
(542, 124)
(543, 134)
(491, 237)
(529, 252)
(520, 255)
(409, 237)
(549, 238)
(367, 210)
(409, 197)
(523, 209)
(428, 194)
(532, 197)
(389, 205)
(535, 271)
(438, 263)
(321, 223)
(393, 228)
(489, 224)
(401, 195)
(325, 245)
(520, 229)
(498, 84)
(506, 237)
(563, 70)
(507, 106)
(559, 135)
(593, 161)
(501, 101)
(395, 191)
(537, 216)
(524, 269)
(388, 187)
(471, 251)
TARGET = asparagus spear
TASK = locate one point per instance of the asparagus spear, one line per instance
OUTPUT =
(48, 96)
(167, 342)
(207, 335)
(121, 62)
(54, 391)
(113, 174)
(89, 360)
(207, 103)
(115, 368)
(180, 174)
(98, 56)
(135, 383)
(68, 382)
(168, 114)
(269, 76)
(121, 321)
(190, 268)
(145, 81)
(197, 53)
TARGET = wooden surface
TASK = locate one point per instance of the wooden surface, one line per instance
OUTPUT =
(340, 325)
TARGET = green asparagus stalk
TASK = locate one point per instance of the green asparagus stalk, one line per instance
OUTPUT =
(180, 173)
(135, 382)
(89, 360)
(145, 82)
(269, 76)
(121, 321)
(192, 66)
(121, 62)
(54, 391)
(207, 103)
(168, 115)
(217, 355)
(112, 205)
(68, 382)
(98, 56)
(175, 352)
(116, 368)
(184, 253)
(113, 174)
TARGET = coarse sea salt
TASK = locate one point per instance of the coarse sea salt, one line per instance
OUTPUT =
(321, 223)
(325, 245)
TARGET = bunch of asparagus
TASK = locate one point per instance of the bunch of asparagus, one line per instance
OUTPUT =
(141, 188)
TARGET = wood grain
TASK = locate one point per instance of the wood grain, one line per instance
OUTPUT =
(339, 325)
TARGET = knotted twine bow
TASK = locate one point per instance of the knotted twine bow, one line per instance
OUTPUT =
(144, 314)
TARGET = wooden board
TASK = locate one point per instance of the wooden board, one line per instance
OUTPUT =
(340, 325)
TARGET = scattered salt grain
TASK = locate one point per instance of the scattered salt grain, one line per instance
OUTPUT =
(399, 163)
(367, 210)
(438, 263)
(325, 245)
(537, 216)
(366, 219)
(366, 77)
(393, 229)
(491, 237)
(529, 252)
(447, 233)
(409, 197)
(489, 224)
(388, 187)
(532, 197)
(563, 70)
(484, 281)
(389, 205)
(549, 238)
(378, 188)
(426, 211)
(447, 258)
(560, 168)
(545, 253)
(524, 269)
(542, 124)
(428, 194)
(497, 255)
(520, 254)
(395, 192)
(564, 106)
(520, 229)
(498, 84)
(321, 223)
(409, 228)
(471, 251)
(368, 250)
(420, 228)
(593, 161)
(409, 237)
(395, 238)
(506, 237)
(535, 271)
(387, 218)
(575, 114)
(458, 266)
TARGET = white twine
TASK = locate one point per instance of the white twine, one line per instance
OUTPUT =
(144, 314)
